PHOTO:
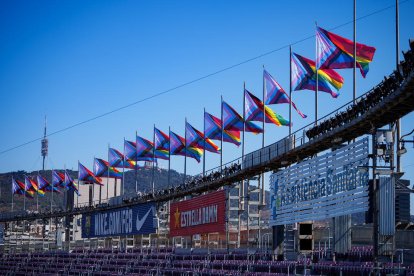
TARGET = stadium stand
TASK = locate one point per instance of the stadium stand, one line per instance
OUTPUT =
(168, 261)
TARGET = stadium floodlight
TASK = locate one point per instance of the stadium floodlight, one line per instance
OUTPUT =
(383, 172)
(336, 140)
(362, 169)
(402, 150)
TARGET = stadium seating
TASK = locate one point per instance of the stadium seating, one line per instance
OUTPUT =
(165, 261)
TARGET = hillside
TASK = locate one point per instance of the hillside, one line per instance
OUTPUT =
(144, 176)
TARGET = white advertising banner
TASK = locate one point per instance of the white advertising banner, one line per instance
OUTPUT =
(330, 185)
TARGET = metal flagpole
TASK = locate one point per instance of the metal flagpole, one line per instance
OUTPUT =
(261, 186)
(290, 90)
(136, 164)
(123, 172)
(169, 157)
(37, 196)
(244, 122)
(107, 179)
(51, 211)
(100, 186)
(51, 196)
(354, 71)
(185, 150)
(24, 199)
(204, 143)
(12, 207)
(222, 135)
(264, 112)
(153, 161)
(317, 83)
(242, 192)
(397, 59)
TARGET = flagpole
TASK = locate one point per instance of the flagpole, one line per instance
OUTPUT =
(51, 210)
(241, 208)
(264, 112)
(354, 71)
(122, 190)
(397, 59)
(290, 90)
(100, 186)
(37, 197)
(12, 207)
(222, 135)
(263, 142)
(169, 157)
(317, 83)
(204, 142)
(244, 121)
(153, 161)
(261, 185)
(24, 199)
(136, 164)
(107, 179)
(51, 197)
(185, 149)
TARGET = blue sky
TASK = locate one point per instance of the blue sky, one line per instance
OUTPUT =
(74, 60)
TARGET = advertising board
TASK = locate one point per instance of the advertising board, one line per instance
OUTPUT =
(330, 185)
(138, 219)
(199, 215)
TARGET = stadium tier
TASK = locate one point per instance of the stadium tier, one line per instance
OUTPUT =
(166, 261)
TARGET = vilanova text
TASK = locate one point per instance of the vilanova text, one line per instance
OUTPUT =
(199, 216)
(113, 223)
(304, 189)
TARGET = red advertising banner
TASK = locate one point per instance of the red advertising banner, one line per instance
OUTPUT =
(200, 215)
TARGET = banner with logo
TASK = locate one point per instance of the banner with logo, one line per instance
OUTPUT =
(138, 219)
(203, 214)
(329, 185)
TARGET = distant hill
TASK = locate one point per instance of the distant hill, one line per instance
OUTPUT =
(144, 176)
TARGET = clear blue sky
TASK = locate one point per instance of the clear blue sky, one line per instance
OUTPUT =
(73, 60)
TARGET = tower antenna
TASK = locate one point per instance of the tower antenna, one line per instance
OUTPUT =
(45, 146)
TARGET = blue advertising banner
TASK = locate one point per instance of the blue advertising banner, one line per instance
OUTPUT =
(139, 219)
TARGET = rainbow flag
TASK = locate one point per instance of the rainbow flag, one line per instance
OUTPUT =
(144, 149)
(233, 121)
(275, 94)
(70, 184)
(254, 111)
(336, 52)
(117, 159)
(213, 130)
(45, 186)
(17, 187)
(304, 76)
(178, 147)
(31, 186)
(100, 168)
(58, 179)
(195, 138)
(84, 174)
(162, 144)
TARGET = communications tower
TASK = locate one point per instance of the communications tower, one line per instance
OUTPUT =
(45, 146)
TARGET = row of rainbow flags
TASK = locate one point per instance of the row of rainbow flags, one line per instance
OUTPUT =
(333, 52)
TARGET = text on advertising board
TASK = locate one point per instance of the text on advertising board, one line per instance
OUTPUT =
(203, 214)
(138, 219)
(322, 187)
